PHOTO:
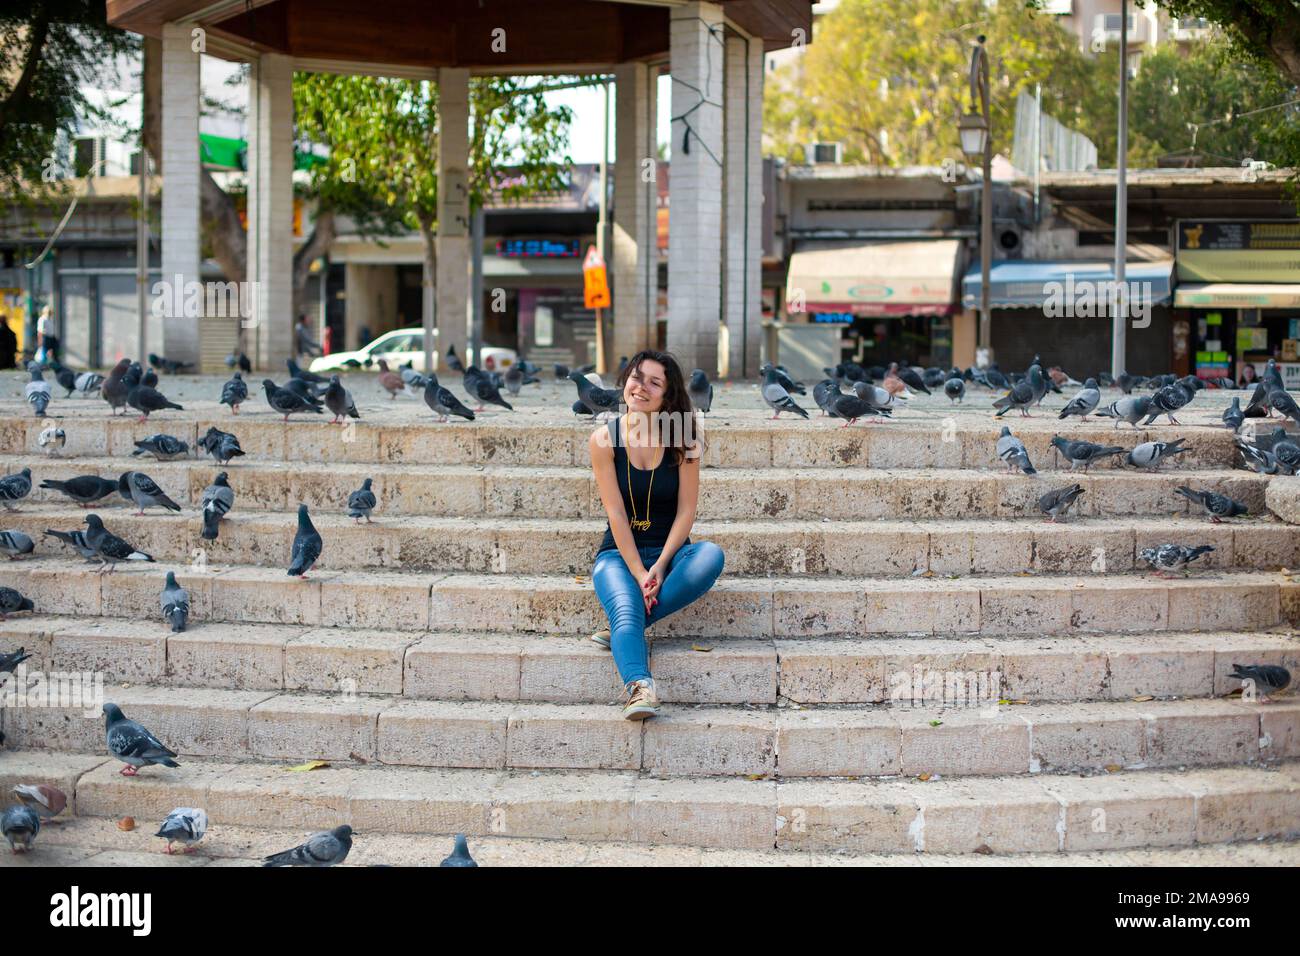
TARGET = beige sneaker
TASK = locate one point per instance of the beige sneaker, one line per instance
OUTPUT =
(601, 638)
(642, 701)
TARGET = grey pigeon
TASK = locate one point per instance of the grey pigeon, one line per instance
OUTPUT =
(1168, 558)
(362, 501)
(170, 366)
(1084, 401)
(175, 603)
(459, 854)
(218, 499)
(1150, 454)
(108, 547)
(162, 447)
(327, 848)
(234, 393)
(133, 744)
(145, 400)
(339, 401)
(144, 491)
(287, 402)
(776, 396)
(52, 439)
(305, 390)
(15, 543)
(1021, 396)
(786, 382)
(483, 389)
(15, 487)
(184, 825)
(1168, 400)
(1233, 416)
(594, 398)
(1083, 452)
(115, 389)
(222, 446)
(11, 660)
(37, 391)
(1131, 409)
(1217, 506)
(1012, 451)
(909, 377)
(86, 383)
(84, 489)
(824, 394)
(1265, 679)
(1057, 502)
(878, 397)
(306, 545)
(1257, 459)
(442, 401)
(1280, 400)
(296, 371)
(20, 825)
(955, 389)
(11, 602)
(851, 408)
(76, 539)
(514, 379)
(701, 390)
(1287, 454)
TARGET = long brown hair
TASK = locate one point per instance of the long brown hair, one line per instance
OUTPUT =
(676, 405)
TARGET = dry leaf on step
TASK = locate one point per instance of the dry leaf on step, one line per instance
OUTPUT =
(310, 765)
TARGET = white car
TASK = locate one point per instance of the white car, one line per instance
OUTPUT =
(407, 345)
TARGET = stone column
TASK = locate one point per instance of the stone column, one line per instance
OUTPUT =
(270, 210)
(634, 264)
(743, 207)
(696, 48)
(452, 242)
(180, 195)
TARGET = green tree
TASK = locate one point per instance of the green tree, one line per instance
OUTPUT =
(1264, 29)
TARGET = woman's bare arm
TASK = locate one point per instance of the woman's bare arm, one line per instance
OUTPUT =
(602, 464)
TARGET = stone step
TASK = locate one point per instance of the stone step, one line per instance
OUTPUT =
(571, 669)
(1006, 814)
(773, 546)
(976, 737)
(807, 606)
(730, 493)
(928, 436)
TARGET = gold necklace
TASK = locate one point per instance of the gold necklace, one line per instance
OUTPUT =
(642, 524)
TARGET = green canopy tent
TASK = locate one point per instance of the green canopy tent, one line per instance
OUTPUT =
(225, 153)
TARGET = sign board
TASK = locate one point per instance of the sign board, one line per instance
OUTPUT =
(1212, 250)
(1290, 374)
(595, 284)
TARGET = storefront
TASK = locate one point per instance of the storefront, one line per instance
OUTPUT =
(1239, 282)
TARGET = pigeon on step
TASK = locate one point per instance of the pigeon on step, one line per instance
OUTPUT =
(175, 603)
(11, 602)
(108, 547)
(162, 447)
(339, 401)
(327, 848)
(234, 393)
(115, 387)
(302, 374)
(1083, 452)
(1233, 416)
(222, 446)
(1056, 503)
(75, 539)
(594, 398)
(481, 388)
(184, 825)
(1012, 451)
(145, 399)
(11, 660)
(15, 487)
(218, 499)
(37, 391)
(16, 543)
(287, 402)
(459, 854)
(1084, 401)
(1132, 410)
(133, 744)
(52, 439)
(442, 401)
(1264, 679)
(170, 366)
(144, 491)
(1215, 505)
(84, 489)
(19, 825)
(955, 389)
(306, 546)
(701, 391)
(1150, 454)
(1168, 558)
(362, 501)
(776, 396)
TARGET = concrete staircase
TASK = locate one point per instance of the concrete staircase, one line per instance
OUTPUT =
(1067, 701)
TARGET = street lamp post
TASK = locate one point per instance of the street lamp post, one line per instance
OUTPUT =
(975, 131)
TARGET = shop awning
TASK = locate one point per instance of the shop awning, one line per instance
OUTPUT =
(874, 278)
(1238, 295)
(1029, 284)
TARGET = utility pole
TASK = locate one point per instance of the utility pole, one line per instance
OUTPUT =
(1119, 321)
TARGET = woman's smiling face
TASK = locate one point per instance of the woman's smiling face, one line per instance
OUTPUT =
(645, 387)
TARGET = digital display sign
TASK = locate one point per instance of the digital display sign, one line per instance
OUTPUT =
(539, 248)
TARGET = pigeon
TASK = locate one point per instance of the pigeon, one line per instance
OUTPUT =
(894, 385)
(77, 539)
(84, 489)
(234, 393)
(114, 390)
(390, 381)
(561, 372)
(1038, 381)
(1233, 416)
(305, 390)
(52, 439)
(1264, 679)
(108, 547)
(1131, 410)
(162, 447)
(37, 392)
(145, 399)
(850, 408)
(44, 800)
(218, 499)
(287, 402)
(1270, 441)
(1056, 503)
(15, 487)
(11, 602)
(1150, 454)
(453, 360)
(1287, 454)
(175, 603)
(1083, 402)
(302, 374)
(1020, 395)
(85, 383)
(442, 401)
(339, 401)
(1217, 506)
(11, 660)
(222, 446)
(459, 854)
(879, 398)
(1168, 400)
(362, 501)
(955, 389)
(482, 389)
(20, 825)
(144, 491)
(1083, 452)
(1172, 557)
(241, 360)
(1280, 400)
(149, 379)
(15, 543)
(776, 396)
(1257, 459)
(306, 546)
(786, 382)
(327, 848)
(169, 366)
(184, 825)
(1125, 382)
(514, 380)
(594, 398)
(132, 744)
(909, 377)
(824, 394)
(701, 390)
(934, 377)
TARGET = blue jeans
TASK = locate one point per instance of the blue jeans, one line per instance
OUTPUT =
(691, 572)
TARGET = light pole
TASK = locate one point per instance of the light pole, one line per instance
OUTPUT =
(1118, 321)
(975, 132)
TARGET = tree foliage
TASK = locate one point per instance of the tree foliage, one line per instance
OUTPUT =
(1264, 29)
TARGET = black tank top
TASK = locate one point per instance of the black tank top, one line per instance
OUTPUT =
(662, 494)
